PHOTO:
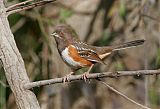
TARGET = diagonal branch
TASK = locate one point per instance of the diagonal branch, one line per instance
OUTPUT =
(92, 76)
(25, 6)
(124, 96)
(150, 17)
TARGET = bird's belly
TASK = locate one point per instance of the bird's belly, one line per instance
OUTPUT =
(68, 59)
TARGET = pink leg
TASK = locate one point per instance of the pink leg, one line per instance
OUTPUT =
(84, 76)
(66, 78)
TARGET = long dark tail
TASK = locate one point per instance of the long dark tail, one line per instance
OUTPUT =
(128, 44)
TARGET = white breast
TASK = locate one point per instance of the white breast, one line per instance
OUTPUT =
(68, 59)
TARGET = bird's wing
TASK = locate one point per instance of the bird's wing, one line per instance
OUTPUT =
(88, 53)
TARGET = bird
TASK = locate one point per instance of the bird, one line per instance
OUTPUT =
(78, 54)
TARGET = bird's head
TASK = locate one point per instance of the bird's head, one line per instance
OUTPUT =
(63, 32)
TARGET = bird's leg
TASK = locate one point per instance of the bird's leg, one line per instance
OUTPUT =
(66, 78)
(84, 76)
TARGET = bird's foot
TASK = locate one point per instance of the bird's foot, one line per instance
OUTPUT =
(66, 78)
(84, 76)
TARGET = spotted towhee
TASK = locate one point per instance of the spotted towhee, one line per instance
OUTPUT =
(78, 54)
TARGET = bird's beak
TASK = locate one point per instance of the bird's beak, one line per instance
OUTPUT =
(54, 34)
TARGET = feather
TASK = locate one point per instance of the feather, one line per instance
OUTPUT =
(88, 53)
(128, 45)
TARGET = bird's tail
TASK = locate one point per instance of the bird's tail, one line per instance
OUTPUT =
(106, 50)
(128, 45)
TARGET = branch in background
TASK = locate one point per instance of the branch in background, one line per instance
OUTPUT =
(144, 13)
(25, 6)
(3, 84)
(150, 17)
(124, 96)
(92, 76)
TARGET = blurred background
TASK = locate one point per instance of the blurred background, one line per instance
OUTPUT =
(97, 22)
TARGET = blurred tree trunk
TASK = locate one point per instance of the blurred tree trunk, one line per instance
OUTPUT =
(13, 65)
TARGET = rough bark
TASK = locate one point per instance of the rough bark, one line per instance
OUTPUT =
(14, 65)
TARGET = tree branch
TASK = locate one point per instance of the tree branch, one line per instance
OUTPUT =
(13, 65)
(25, 6)
(92, 76)
(150, 17)
(19, 4)
(124, 96)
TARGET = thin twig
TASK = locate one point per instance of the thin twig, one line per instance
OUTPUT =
(26, 7)
(92, 76)
(124, 96)
(29, 6)
(19, 4)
